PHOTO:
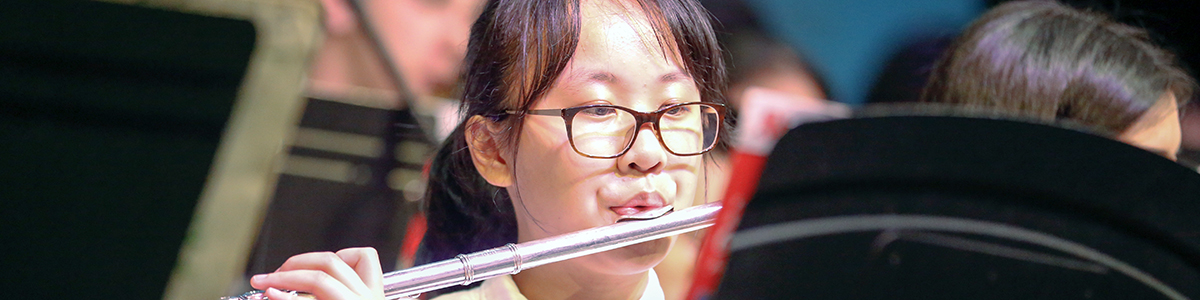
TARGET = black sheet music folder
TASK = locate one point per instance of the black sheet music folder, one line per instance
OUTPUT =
(925, 207)
(110, 118)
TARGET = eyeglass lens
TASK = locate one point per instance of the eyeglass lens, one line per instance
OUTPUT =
(607, 131)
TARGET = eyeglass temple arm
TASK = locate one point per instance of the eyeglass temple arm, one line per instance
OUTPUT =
(543, 112)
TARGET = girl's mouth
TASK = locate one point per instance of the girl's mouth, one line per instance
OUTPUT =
(639, 203)
(629, 210)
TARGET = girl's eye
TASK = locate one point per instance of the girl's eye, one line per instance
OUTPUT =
(678, 110)
(599, 111)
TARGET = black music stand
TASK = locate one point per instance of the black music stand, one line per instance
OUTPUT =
(138, 141)
(963, 208)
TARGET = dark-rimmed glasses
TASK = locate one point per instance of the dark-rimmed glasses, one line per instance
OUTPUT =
(608, 131)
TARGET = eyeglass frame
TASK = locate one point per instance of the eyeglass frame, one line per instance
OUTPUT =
(568, 115)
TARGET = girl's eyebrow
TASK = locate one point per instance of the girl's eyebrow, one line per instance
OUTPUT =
(605, 77)
(594, 76)
(673, 77)
(576, 80)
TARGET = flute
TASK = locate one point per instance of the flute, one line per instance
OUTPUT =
(465, 269)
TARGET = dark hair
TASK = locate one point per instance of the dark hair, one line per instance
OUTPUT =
(755, 53)
(751, 50)
(1052, 62)
(906, 72)
(516, 52)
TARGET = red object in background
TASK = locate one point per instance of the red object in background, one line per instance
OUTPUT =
(710, 264)
(412, 239)
(415, 230)
(766, 116)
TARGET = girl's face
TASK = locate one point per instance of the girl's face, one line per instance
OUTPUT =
(556, 190)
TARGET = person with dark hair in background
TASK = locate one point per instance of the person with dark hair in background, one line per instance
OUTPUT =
(756, 61)
(551, 145)
(1048, 61)
(759, 59)
(906, 72)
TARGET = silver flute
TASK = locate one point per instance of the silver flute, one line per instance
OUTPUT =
(465, 269)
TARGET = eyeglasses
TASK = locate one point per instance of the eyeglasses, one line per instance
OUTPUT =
(608, 131)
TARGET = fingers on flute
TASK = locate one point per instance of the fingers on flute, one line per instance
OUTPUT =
(333, 265)
(365, 262)
(317, 283)
(328, 275)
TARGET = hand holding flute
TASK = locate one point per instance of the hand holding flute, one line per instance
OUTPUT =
(349, 274)
(353, 273)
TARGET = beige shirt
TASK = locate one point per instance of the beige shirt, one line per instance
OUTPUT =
(503, 288)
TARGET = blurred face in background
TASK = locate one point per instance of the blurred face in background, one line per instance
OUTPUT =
(427, 39)
(1158, 130)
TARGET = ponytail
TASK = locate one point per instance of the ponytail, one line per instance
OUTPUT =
(465, 213)
(510, 43)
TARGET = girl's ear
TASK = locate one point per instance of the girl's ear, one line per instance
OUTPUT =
(487, 151)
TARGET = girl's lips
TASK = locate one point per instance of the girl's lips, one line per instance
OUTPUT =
(639, 203)
(629, 210)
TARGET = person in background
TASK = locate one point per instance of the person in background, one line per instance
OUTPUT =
(353, 174)
(758, 58)
(425, 41)
(760, 62)
(906, 72)
(1048, 61)
(579, 112)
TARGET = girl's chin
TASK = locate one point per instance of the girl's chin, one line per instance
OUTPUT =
(633, 259)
